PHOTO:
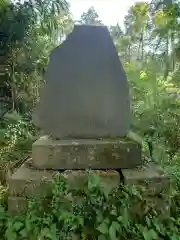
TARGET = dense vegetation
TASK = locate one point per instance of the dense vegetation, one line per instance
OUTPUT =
(149, 48)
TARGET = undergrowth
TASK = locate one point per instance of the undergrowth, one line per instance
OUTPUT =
(91, 212)
(15, 140)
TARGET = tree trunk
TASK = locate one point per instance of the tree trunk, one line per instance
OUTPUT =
(166, 72)
(129, 53)
(142, 46)
(13, 88)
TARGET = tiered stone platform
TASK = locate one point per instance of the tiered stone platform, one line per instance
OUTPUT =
(115, 161)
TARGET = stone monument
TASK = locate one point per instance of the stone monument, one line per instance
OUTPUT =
(86, 93)
(84, 110)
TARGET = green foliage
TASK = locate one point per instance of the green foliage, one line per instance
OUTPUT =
(155, 112)
(29, 31)
(90, 17)
(15, 140)
(89, 213)
(149, 49)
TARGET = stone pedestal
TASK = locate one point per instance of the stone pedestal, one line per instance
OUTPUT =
(85, 153)
(155, 185)
(27, 182)
(115, 161)
(150, 176)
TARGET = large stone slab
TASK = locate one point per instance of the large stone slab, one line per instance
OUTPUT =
(82, 154)
(28, 182)
(156, 186)
(150, 176)
(17, 205)
(86, 93)
(78, 178)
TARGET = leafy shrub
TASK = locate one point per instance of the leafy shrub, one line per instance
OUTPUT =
(155, 112)
(89, 213)
(16, 142)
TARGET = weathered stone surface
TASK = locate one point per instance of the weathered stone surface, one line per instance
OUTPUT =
(108, 179)
(28, 182)
(155, 182)
(150, 176)
(17, 205)
(82, 154)
(159, 206)
(20, 189)
(86, 93)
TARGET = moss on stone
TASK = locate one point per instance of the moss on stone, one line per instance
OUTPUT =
(131, 137)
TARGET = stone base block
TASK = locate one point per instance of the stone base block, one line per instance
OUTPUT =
(83, 154)
(149, 176)
(27, 183)
(154, 205)
(156, 186)
(109, 179)
(17, 205)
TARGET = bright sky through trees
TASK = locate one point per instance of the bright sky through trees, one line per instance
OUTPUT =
(109, 11)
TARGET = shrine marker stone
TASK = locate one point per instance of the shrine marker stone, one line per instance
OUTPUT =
(86, 93)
